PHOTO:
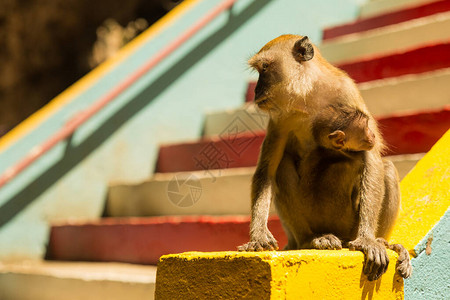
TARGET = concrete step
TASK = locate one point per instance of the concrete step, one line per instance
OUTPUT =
(378, 7)
(413, 61)
(403, 94)
(211, 192)
(388, 40)
(387, 18)
(144, 240)
(68, 280)
(222, 192)
(406, 94)
(304, 274)
(238, 145)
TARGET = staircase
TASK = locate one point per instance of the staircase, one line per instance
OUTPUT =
(199, 197)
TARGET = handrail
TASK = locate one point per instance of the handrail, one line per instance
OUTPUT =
(80, 118)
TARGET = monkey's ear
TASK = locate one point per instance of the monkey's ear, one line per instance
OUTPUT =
(304, 49)
(337, 139)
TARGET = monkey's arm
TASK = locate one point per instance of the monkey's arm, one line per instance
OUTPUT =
(262, 191)
(371, 198)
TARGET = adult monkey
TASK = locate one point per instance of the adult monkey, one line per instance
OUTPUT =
(324, 200)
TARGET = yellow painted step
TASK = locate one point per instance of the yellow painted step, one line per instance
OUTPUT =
(302, 274)
(425, 195)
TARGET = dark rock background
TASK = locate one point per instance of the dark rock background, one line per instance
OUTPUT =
(46, 45)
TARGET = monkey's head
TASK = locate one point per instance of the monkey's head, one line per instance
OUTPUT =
(286, 73)
(354, 138)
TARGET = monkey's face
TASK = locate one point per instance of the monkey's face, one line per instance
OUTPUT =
(359, 137)
(283, 83)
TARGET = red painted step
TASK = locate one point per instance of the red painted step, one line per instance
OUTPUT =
(414, 133)
(144, 240)
(404, 134)
(229, 150)
(414, 61)
(390, 18)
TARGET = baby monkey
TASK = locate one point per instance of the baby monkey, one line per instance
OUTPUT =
(344, 129)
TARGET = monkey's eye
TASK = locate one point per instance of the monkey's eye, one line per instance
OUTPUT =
(264, 68)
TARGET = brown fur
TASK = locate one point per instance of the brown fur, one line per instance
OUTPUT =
(310, 183)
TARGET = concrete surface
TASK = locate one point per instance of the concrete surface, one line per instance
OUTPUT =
(305, 274)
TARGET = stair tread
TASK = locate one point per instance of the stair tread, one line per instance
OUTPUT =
(47, 280)
(110, 271)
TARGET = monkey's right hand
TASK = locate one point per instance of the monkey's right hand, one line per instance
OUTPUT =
(260, 242)
(376, 260)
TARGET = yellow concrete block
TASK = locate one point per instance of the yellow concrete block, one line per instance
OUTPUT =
(425, 195)
(302, 274)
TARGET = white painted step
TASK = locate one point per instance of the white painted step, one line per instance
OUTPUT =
(408, 93)
(226, 193)
(245, 118)
(376, 7)
(75, 281)
(389, 39)
(213, 192)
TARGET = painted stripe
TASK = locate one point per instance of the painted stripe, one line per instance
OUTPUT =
(404, 134)
(386, 19)
(388, 40)
(223, 192)
(145, 240)
(304, 274)
(425, 196)
(92, 77)
(372, 8)
(415, 61)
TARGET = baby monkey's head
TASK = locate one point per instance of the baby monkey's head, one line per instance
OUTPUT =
(343, 128)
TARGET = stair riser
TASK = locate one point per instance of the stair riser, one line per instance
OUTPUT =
(386, 19)
(388, 40)
(228, 195)
(145, 243)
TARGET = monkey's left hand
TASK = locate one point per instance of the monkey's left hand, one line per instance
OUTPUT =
(260, 242)
(376, 260)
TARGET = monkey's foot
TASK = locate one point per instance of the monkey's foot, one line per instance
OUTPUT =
(263, 243)
(376, 260)
(327, 242)
(403, 266)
